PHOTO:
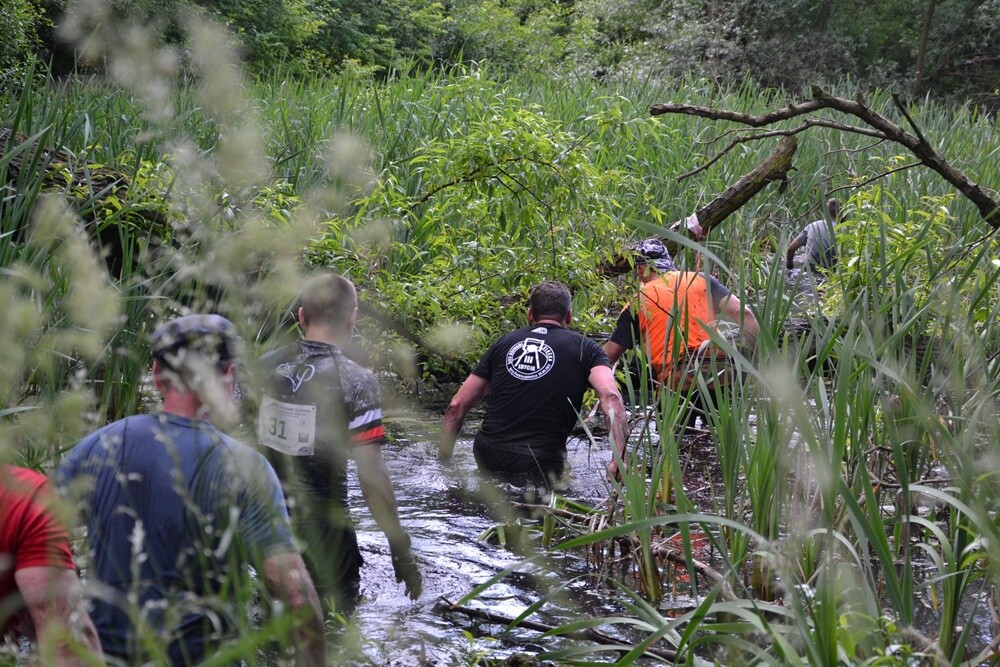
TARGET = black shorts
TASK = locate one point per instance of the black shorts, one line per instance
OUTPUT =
(534, 465)
(332, 555)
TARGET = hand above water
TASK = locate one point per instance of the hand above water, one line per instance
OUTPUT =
(405, 568)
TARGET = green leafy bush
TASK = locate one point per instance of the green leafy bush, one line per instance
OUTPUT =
(20, 23)
(460, 229)
(900, 258)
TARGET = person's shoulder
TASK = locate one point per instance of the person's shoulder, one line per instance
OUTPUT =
(110, 433)
(23, 482)
(574, 338)
(503, 342)
(515, 333)
(585, 340)
(571, 334)
(19, 474)
(280, 355)
(354, 373)
(242, 460)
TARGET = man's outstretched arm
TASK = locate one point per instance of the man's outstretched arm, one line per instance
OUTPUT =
(793, 247)
(472, 391)
(602, 379)
(376, 487)
(734, 309)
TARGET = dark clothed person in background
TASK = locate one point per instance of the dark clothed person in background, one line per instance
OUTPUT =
(175, 509)
(37, 573)
(820, 240)
(535, 378)
(319, 410)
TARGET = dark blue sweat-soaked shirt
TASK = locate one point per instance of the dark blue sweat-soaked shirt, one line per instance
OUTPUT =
(174, 510)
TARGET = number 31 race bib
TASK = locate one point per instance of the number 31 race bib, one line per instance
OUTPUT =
(287, 427)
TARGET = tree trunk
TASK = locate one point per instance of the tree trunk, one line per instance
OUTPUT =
(925, 31)
(823, 20)
(774, 168)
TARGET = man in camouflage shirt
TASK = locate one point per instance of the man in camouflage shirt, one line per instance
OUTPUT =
(318, 410)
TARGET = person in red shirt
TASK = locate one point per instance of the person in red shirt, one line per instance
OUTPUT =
(37, 573)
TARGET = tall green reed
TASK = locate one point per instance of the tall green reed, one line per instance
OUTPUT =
(848, 532)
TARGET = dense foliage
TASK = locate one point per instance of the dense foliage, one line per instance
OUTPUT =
(853, 485)
(943, 47)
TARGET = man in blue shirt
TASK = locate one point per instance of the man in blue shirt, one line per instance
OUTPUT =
(175, 509)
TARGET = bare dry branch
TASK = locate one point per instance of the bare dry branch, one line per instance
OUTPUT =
(865, 182)
(881, 127)
(779, 133)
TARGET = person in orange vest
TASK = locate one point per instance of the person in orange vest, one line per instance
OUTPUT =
(674, 316)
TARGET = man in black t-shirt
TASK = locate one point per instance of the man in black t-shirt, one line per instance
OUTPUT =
(536, 377)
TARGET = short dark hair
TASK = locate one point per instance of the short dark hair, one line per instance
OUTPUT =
(550, 299)
(328, 299)
(833, 206)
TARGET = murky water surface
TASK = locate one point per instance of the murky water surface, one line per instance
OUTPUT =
(441, 506)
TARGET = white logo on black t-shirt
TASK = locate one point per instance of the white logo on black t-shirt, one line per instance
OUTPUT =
(530, 359)
(297, 375)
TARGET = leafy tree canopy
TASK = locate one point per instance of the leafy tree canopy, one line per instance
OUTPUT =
(944, 47)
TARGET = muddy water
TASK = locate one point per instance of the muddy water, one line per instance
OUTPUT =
(442, 508)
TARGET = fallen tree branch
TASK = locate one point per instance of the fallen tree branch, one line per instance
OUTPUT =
(988, 206)
(726, 591)
(854, 186)
(775, 167)
(812, 122)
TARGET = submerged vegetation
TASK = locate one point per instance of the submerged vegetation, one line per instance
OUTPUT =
(851, 466)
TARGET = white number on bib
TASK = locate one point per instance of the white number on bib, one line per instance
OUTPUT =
(287, 427)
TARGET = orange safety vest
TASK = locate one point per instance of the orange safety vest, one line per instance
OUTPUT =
(677, 292)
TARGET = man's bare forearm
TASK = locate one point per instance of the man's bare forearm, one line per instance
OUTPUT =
(287, 578)
(376, 487)
(451, 425)
(614, 415)
(55, 603)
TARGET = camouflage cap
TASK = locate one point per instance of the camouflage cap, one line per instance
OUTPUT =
(210, 335)
(652, 252)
